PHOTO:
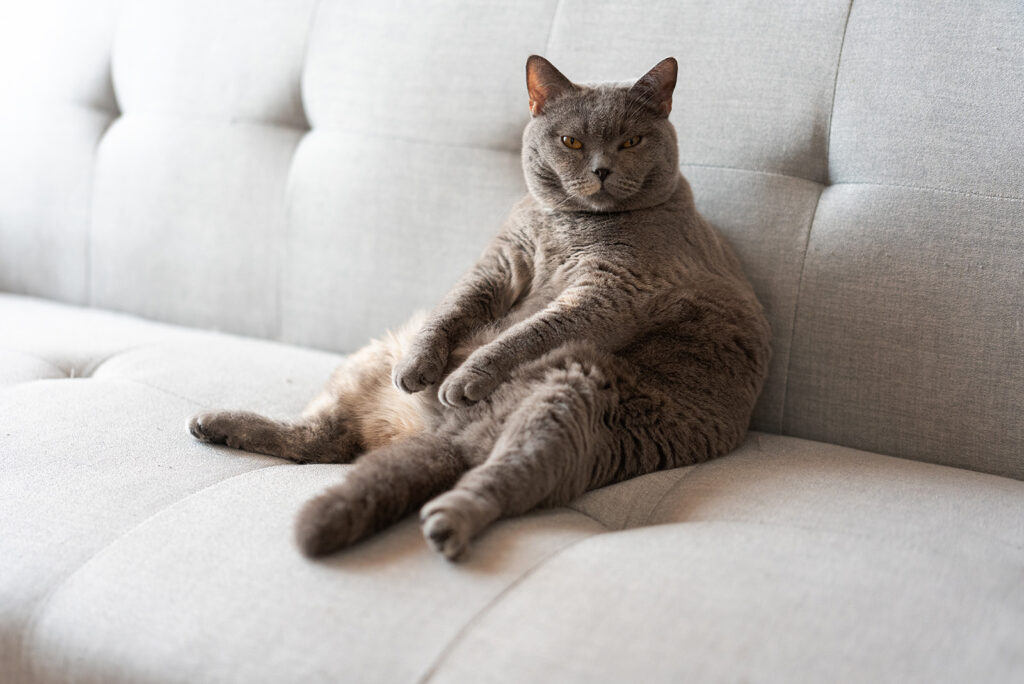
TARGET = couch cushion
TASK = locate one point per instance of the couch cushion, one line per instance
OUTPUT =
(141, 555)
(909, 335)
(312, 172)
(58, 102)
(788, 560)
(94, 444)
(724, 601)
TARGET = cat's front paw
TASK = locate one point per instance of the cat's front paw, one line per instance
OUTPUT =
(467, 385)
(418, 370)
(208, 427)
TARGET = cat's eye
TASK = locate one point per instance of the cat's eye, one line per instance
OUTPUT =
(571, 142)
(635, 140)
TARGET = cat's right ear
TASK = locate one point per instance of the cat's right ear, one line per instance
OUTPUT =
(544, 82)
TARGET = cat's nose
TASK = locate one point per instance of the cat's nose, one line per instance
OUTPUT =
(602, 173)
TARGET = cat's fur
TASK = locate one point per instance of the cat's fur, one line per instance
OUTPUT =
(607, 332)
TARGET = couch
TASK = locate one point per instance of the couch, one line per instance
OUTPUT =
(206, 203)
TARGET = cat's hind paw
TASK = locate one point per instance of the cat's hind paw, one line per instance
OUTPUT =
(327, 524)
(445, 533)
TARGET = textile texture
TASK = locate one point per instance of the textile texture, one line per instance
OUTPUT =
(294, 176)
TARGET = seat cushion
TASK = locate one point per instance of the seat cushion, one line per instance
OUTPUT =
(133, 553)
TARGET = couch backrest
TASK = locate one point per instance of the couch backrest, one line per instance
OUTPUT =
(314, 170)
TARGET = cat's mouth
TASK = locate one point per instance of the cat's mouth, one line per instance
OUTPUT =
(583, 188)
(602, 195)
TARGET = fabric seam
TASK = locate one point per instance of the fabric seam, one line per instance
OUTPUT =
(285, 251)
(835, 88)
(551, 29)
(909, 186)
(115, 115)
(661, 499)
(845, 532)
(28, 635)
(480, 614)
(810, 226)
(796, 310)
(36, 357)
(757, 171)
(927, 188)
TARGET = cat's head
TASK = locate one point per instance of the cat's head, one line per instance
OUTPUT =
(600, 148)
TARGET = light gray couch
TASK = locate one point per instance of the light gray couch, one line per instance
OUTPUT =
(310, 172)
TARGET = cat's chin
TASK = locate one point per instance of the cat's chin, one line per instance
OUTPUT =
(602, 200)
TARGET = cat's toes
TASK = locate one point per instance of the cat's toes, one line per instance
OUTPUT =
(416, 372)
(201, 427)
(446, 533)
(452, 393)
(465, 387)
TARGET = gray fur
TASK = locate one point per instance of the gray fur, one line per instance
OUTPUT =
(607, 331)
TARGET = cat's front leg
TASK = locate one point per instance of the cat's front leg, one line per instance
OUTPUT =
(603, 317)
(483, 295)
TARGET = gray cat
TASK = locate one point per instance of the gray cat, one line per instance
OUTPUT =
(606, 332)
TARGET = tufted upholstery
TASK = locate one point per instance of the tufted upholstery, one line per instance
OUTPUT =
(246, 138)
(141, 555)
(311, 171)
(314, 171)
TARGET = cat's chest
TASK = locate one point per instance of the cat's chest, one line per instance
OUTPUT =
(552, 276)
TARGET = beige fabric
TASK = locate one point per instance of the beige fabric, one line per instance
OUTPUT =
(927, 287)
(725, 601)
(929, 94)
(56, 101)
(344, 277)
(141, 555)
(786, 561)
(313, 171)
(213, 589)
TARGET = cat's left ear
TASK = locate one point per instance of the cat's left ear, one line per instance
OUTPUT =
(655, 87)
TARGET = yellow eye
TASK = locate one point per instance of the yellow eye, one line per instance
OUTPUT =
(635, 140)
(571, 142)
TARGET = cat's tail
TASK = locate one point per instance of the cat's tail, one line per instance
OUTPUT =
(381, 488)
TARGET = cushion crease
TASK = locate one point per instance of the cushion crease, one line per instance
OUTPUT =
(479, 615)
(27, 636)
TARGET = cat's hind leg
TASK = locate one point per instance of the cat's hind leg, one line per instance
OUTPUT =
(311, 439)
(588, 420)
(383, 486)
(359, 409)
(544, 455)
